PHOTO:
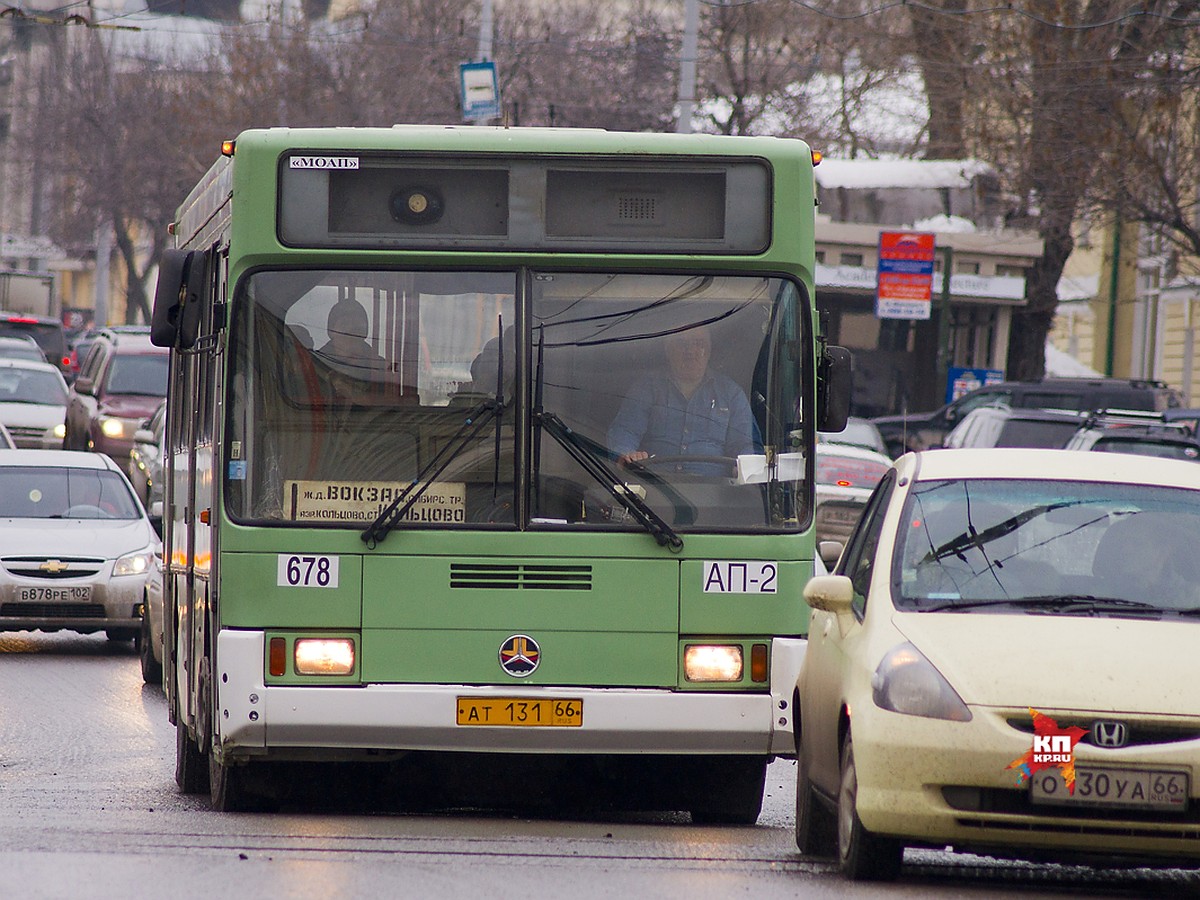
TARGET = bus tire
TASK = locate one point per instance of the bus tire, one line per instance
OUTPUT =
(235, 788)
(732, 794)
(191, 768)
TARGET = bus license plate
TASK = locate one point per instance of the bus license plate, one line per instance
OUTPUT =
(557, 712)
(80, 594)
(1123, 788)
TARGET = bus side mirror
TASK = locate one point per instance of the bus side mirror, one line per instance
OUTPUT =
(834, 383)
(168, 298)
(179, 299)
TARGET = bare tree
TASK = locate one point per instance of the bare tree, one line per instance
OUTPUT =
(1044, 94)
(587, 64)
(111, 126)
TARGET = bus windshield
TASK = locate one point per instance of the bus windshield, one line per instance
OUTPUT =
(585, 394)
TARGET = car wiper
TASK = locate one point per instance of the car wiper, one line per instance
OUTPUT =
(593, 463)
(1065, 603)
(483, 413)
(972, 538)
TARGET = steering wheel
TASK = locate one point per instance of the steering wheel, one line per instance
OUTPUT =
(85, 511)
(659, 462)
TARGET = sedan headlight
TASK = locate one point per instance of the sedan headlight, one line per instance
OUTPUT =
(906, 682)
(134, 563)
(114, 428)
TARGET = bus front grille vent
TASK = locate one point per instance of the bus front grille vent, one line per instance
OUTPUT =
(520, 577)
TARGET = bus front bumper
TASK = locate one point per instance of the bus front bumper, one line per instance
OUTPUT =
(254, 718)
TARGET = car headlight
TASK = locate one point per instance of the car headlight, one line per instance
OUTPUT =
(113, 428)
(906, 682)
(59, 431)
(134, 563)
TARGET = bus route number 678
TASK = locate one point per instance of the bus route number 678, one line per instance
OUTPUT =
(307, 570)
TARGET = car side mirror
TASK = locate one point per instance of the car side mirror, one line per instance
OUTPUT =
(831, 593)
(144, 436)
(84, 386)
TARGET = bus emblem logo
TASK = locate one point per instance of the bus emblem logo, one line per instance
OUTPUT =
(519, 655)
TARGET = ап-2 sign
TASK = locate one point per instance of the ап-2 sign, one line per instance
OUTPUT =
(740, 577)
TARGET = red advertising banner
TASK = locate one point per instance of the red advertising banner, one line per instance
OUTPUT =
(904, 276)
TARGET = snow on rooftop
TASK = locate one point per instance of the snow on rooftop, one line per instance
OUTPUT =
(945, 225)
(899, 173)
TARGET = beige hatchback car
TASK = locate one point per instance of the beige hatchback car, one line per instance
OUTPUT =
(1004, 661)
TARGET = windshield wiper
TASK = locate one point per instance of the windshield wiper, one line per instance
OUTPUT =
(611, 481)
(593, 463)
(391, 514)
(1064, 603)
(484, 412)
(972, 538)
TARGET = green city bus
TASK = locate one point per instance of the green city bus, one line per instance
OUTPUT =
(435, 481)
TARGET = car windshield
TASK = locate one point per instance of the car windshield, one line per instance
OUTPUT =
(60, 492)
(32, 386)
(849, 471)
(1046, 433)
(138, 373)
(1048, 546)
(1164, 449)
(479, 388)
(10, 348)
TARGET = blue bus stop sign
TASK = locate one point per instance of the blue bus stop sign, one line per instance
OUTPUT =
(480, 91)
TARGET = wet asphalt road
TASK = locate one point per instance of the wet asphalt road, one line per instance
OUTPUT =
(89, 809)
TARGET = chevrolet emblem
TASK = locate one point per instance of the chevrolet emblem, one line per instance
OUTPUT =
(54, 566)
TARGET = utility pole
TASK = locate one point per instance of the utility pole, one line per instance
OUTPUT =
(687, 66)
(485, 33)
(104, 242)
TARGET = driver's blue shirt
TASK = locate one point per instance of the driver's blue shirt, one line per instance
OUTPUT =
(657, 418)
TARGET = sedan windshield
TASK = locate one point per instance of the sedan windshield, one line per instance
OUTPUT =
(1048, 546)
(35, 386)
(58, 492)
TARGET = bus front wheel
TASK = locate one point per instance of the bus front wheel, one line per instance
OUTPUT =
(237, 788)
(191, 768)
(732, 794)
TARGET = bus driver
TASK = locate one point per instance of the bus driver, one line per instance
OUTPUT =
(686, 411)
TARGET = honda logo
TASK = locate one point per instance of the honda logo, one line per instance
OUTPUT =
(1109, 734)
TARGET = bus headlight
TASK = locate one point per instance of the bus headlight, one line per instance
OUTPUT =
(712, 662)
(324, 656)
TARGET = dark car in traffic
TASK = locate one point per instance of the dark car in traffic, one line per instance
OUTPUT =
(46, 331)
(924, 431)
(121, 383)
